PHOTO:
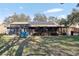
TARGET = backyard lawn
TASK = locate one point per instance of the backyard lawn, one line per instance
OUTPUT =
(40, 46)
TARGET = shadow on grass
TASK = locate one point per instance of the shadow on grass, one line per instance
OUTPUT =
(8, 45)
(20, 49)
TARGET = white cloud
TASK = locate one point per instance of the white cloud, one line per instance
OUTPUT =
(10, 13)
(62, 16)
(21, 7)
(54, 10)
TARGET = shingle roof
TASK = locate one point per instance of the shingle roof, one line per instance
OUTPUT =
(75, 25)
(43, 24)
(38, 24)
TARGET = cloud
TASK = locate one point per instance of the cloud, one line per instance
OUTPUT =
(21, 7)
(62, 16)
(54, 10)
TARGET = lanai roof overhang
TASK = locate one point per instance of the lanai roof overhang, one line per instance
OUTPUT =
(19, 23)
(46, 26)
(35, 24)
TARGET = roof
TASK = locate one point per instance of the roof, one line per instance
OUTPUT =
(47, 23)
(43, 24)
(20, 23)
(75, 25)
(39, 24)
(46, 26)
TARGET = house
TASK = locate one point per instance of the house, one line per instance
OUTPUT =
(73, 29)
(42, 28)
(35, 28)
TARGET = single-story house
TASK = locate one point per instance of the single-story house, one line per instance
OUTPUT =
(42, 28)
(35, 28)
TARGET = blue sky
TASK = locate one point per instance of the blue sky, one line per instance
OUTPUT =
(49, 9)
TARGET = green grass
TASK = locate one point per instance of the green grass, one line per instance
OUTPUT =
(50, 45)
(6, 38)
(68, 45)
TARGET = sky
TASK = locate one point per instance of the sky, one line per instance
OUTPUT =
(49, 9)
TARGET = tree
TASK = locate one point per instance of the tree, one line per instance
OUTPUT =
(77, 5)
(17, 18)
(40, 17)
(73, 17)
(63, 22)
(24, 18)
(51, 18)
